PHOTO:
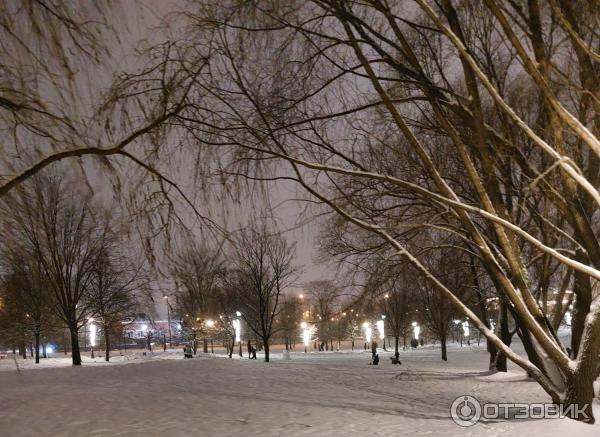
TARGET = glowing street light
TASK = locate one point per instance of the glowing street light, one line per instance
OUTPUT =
(381, 329)
(305, 335)
(416, 330)
(93, 330)
(237, 325)
(466, 331)
(209, 324)
(168, 324)
(368, 332)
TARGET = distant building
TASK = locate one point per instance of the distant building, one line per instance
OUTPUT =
(139, 328)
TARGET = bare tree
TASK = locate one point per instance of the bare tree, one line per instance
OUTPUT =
(264, 265)
(117, 290)
(324, 298)
(60, 234)
(395, 303)
(27, 299)
(198, 272)
(290, 318)
(403, 103)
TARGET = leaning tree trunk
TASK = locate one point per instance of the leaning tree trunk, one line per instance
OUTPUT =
(491, 348)
(75, 352)
(581, 307)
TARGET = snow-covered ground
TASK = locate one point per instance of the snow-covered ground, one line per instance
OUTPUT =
(313, 394)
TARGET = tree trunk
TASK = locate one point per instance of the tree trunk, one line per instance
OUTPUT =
(75, 352)
(266, 347)
(397, 342)
(37, 347)
(493, 350)
(444, 351)
(107, 344)
(501, 364)
(581, 306)
(580, 395)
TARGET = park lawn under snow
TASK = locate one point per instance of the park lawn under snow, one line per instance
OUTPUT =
(313, 394)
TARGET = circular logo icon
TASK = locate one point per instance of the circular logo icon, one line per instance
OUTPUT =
(465, 411)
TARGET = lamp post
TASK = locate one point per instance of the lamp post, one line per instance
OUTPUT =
(381, 330)
(416, 330)
(169, 321)
(368, 333)
(305, 335)
(92, 335)
(210, 324)
(238, 330)
(467, 331)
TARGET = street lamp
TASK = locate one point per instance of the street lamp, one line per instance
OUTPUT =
(211, 324)
(238, 331)
(368, 333)
(416, 330)
(305, 335)
(92, 335)
(169, 321)
(466, 331)
(381, 329)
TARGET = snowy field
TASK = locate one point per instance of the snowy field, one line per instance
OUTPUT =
(313, 394)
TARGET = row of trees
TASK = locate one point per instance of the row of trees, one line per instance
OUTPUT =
(418, 124)
(415, 123)
(64, 261)
(259, 268)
